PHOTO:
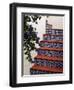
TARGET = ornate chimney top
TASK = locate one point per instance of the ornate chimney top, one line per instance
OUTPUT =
(48, 26)
(46, 21)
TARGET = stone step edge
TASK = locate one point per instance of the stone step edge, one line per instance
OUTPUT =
(50, 49)
(45, 68)
(43, 57)
(52, 35)
(52, 41)
(55, 29)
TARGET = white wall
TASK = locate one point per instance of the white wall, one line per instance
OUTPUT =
(56, 21)
(4, 45)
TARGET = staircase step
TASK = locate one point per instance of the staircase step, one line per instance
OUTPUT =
(52, 35)
(48, 69)
(50, 49)
(52, 44)
(54, 31)
(52, 41)
(49, 58)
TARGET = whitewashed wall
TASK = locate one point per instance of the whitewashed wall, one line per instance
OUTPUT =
(56, 21)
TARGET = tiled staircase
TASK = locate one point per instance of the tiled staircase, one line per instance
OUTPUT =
(50, 54)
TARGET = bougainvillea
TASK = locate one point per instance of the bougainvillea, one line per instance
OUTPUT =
(30, 35)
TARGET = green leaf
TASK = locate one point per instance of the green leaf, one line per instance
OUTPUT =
(36, 22)
(29, 41)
